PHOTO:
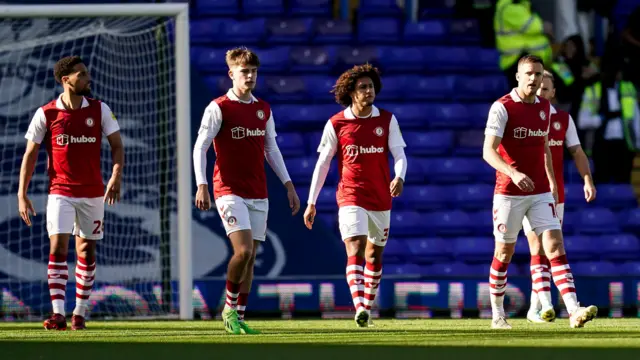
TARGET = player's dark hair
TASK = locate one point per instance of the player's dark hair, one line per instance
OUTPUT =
(346, 83)
(242, 56)
(64, 67)
(530, 59)
(548, 75)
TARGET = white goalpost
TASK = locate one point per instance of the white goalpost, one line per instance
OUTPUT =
(138, 58)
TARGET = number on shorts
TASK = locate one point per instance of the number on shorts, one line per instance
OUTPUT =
(98, 228)
(553, 209)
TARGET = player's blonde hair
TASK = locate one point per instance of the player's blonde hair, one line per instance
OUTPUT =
(548, 75)
(241, 56)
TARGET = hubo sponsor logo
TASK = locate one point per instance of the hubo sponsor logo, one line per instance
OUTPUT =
(522, 132)
(64, 139)
(239, 132)
(355, 150)
(555, 142)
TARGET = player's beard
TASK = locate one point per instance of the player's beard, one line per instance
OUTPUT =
(84, 92)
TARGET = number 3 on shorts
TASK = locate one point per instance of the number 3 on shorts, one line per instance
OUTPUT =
(553, 210)
(99, 227)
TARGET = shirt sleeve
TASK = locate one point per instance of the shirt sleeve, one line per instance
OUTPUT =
(209, 127)
(497, 121)
(329, 139)
(270, 130)
(37, 128)
(571, 137)
(395, 136)
(109, 122)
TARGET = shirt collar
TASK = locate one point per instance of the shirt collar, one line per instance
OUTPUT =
(348, 114)
(232, 96)
(553, 110)
(515, 97)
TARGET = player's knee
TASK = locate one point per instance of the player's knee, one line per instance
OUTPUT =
(245, 254)
(553, 243)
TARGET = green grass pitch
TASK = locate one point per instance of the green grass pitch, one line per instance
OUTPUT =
(603, 339)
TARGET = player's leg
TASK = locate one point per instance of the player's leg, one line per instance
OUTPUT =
(508, 212)
(258, 213)
(540, 273)
(377, 239)
(235, 218)
(544, 220)
(60, 218)
(88, 229)
(353, 221)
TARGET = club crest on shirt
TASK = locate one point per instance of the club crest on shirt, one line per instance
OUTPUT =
(379, 131)
(89, 122)
(260, 114)
(543, 116)
(556, 125)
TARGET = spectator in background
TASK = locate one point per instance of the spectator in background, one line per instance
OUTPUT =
(631, 46)
(519, 31)
(611, 117)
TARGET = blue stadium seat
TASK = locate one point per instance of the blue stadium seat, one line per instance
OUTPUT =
(401, 58)
(290, 144)
(382, 8)
(300, 169)
(425, 197)
(571, 174)
(378, 30)
(447, 223)
(321, 8)
(449, 269)
(474, 248)
(350, 55)
(209, 59)
(594, 268)
(319, 87)
(448, 58)
(330, 219)
(597, 221)
(574, 194)
(393, 89)
(447, 116)
(305, 117)
(428, 250)
(429, 31)
(289, 31)
(333, 32)
(416, 171)
(313, 59)
(456, 170)
(428, 142)
(410, 115)
(631, 268)
(469, 143)
(478, 114)
(630, 220)
(326, 199)
(262, 7)
(464, 31)
(405, 269)
(286, 88)
(580, 247)
(406, 223)
(486, 59)
(437, 8)
(618, 196)
(481, 222)
(312, 141)
(472, 196)
(243, 31)
(485, 88)
(570, 222)
(619, 247)
(274, 59)
(430, 88)
(396, 251)
(483, 267)
(217, 7)
(206, 30)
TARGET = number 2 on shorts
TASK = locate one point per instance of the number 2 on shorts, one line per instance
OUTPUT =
(98, 228)
(553, 209)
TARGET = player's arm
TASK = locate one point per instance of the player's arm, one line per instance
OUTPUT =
(327, 149)
(35, 134)
(209, 127)
(581, 160)
(396, 147)
(111, 130)
(548, 168)
(496, 124)
(274, 159)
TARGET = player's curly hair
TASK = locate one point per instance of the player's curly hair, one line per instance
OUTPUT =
(64, 67)
(241, 56)
(346, 83)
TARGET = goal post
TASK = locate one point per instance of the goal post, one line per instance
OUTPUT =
(124, 78)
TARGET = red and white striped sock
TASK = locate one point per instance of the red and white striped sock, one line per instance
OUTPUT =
(85, 276)
(563, 278)
(57, 275)
(372, 276)
(540, 282)
(243, 298)
(355, 279)
(497, 286)
(233, 291)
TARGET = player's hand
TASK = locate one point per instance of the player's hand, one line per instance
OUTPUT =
(203, 200)
(396, 187)
(589, 191)
(294, 200)
(309, 216)
(25, 207)
(112, 195)
(522, 181)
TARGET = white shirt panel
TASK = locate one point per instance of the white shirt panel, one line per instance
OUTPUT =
(497, 120)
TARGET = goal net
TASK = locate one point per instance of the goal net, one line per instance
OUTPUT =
(132, 62)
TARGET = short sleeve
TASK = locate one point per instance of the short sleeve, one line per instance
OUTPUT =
(571, 137)
(109, 122)
(329, 138)
(37, 128)
(271, 127)
(395, 136)
(497, 120)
